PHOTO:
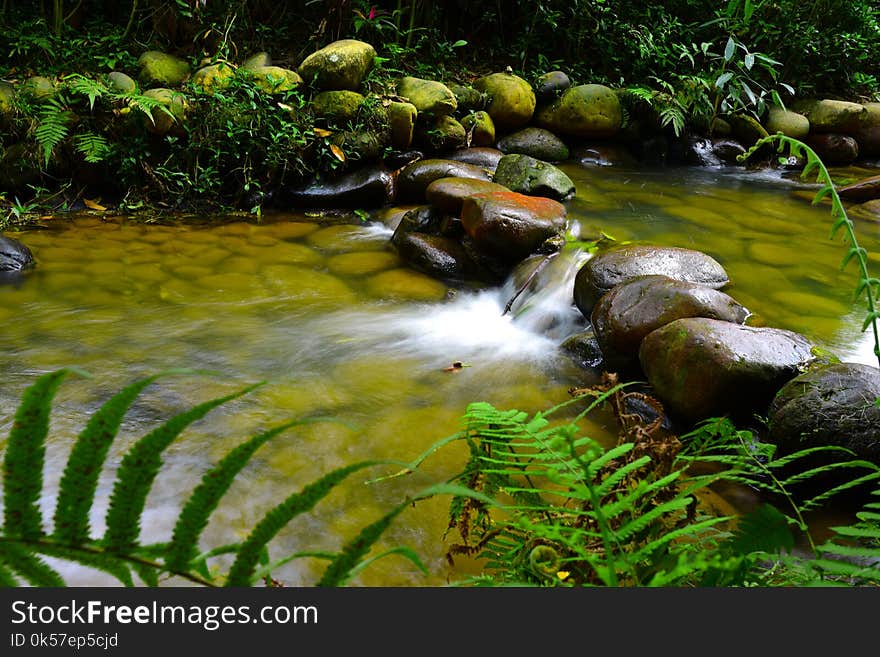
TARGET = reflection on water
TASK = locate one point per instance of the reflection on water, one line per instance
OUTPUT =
(344, 333)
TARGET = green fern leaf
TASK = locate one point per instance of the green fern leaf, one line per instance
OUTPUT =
(28, 566)
(138, 471)
(25, 456)
(94, 148)
(80, 478)
(204, 499)
(90, 556)
(149, 575)
(765, 529)
(7, 579)
(53, 127)
(242, 569)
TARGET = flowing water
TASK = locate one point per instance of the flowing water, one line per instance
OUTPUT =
(343, 333)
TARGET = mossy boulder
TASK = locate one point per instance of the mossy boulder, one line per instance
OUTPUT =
(336, 107)
(747, 129)
(275, 79)
(7, 97)
(826, 115)
(160, 69)
(341, 65)
(533, 177)
(701, 367)
(587, 110)
(256, 61)
(39, 88)
(162, 123)
(402, 120)
(469, 99)
(787, 122)
(511, 99)
(121, 83)
(215, 77)
(550, 85)
(442, 134)
(536, 142)
(480, 127)
(430, 97)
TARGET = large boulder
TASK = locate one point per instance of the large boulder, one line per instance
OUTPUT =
(587, 110)
(527, 175)
(868, 133)
(787, 122)
(511, 99)
(274, 79)
(509, 225)
(481, 156)
(535, 142)
(14, 256)
(367, 187)
(161, 69)
(618, 265)
(121, 83)
(336, 107)
(747, 129)
(829, 404)
(414, 178)
(628, 312)
(826, 115)
(402, 120)
(341, 65)
(834, 148)
(429, 96)
(448, 194)
(214, 77)
(549, 85)
(700, 367)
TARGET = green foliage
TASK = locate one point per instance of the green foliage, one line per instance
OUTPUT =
(25, 542)
(868, 286)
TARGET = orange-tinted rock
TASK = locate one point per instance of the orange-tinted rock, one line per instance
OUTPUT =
(448, 194)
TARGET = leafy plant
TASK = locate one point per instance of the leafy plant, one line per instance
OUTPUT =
(25, 539)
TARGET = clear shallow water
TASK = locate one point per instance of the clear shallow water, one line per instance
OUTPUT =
(337, 326)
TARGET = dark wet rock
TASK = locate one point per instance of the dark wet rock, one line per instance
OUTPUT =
(868, 139)
(866, 189)
(605, 155)
(367, 187)
(834, 148)
(480, 128)
(509, 225)
(14, 256)
(413, 179)
(727, 150)
(747, 129)
(511, 99)
(399, 159)
(700, 367)
(549, 85)
(429, 96)
(440, 135)
(535, 142)
(528, 175)
(438, 256)
(584, 348)
(339, 65)
(448, 194)
(392, 215)
(696, 151)
(587, 110)
(618, 265)
(867, 211)
(481, 156)
(428, 220)
(830, 404)
(628, 312)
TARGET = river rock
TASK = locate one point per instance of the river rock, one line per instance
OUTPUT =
(867, 211)
(162, 123)
(257, 60)
(441, 134)
(413, 179)
(787, 122)
(121, 83)
(528, 175)
(367, 187)
(336, 107)
(469, 99)
(39, 88)
(215, 77)
(587, 110)
(868, 132)
(511, 99)
(275, 79)
(535, 142)
(442, 257)
(747, 129)
(549, 85)
(700, 367)
(429, 96)
(402, 119)
(481, 156)
(161, 69)
(629, 311)
(427, 220)
(480, 127)
(834, 148)
(866, 189)
(14, 256)
(618, 265)
(7, 99)
(825, 115)
(829, 404)
(727, 150)
(341, 65)
(584, 348)
(509, 225)
(448, 194)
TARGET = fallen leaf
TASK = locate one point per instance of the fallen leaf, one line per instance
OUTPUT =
(337, 152)
(320, 132)
(93, 205)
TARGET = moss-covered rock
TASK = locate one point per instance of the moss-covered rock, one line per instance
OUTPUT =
(39, 88)
(256, 61)
(480, 127)
(587, 110)
(336, 107)
(7, 98)
(402, 121)
(511, 99)
(468, 98)
(275, 79)
(160, 69)
(162, 123)
(787, 122)
(442, 134)
(430, 97)
(121, 83)
(533, 177)
(746, 128)
(341, 65)
(215, 77)
(826, 115)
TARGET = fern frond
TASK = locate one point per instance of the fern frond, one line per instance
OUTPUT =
(204, 499)
(90, 556)
(80, 478)
(93, 147)
(765, 529)
(93, 89)
(53, 127)
(138, 471)
(25, 456)
(242, 570)
(28, 566)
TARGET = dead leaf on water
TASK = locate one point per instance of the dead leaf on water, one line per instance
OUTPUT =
(93, 205)
(337, 152)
